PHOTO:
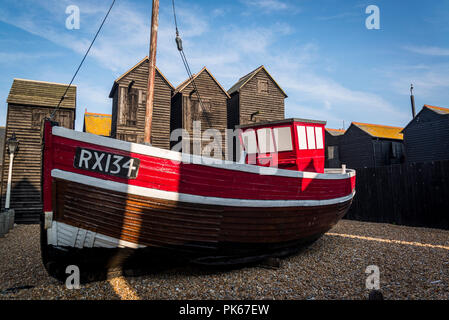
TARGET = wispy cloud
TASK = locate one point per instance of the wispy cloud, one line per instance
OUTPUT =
(229, 52)
(428, 50)
(339, 16)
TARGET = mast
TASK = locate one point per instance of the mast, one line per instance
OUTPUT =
(151, 71)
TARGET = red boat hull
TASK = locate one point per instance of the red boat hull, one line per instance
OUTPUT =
(172, 203)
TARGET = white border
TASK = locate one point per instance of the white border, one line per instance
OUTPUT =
(188, 158)
(182, 197)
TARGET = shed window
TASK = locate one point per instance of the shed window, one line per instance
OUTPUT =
(283, 139)
(249, 141)
(302, 137)
(37, 118)
(311, 137)
(262, 86)
(319, 137)
(132, 105)
(265, 140)
(332, 153)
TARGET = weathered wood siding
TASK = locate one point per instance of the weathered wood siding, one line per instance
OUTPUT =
(213, 114)
(426, 138)
(413, 194)
(356, 149)
(129, 105)
(360, 150)
(25, 122)
(270, 104)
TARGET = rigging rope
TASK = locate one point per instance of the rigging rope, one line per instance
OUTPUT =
(82, 61)
(186, 65)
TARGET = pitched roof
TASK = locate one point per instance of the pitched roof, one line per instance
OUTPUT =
(245, 79)
(186, 82)
(335, 132)
(114, 86)
(438, 110)
(97, 123)
(380, 131)
(41, 93)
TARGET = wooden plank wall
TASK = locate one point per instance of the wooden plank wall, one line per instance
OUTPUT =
(26, 177)
(412, 194)
(427, 141)
(270, 105)
(160, 130)
(215, 117)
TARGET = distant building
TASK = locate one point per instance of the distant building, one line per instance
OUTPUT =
(129, 94)
(371, 145)
(29, 103)
(97, 123)
(426, 137)
(209, 110)
(332, 149)
(256, 97)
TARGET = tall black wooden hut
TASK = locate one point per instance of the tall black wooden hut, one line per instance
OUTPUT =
(332, 149)
(29, 102)
(426, 137)
(208, 106)
(371, 145)
(255, 97)
(129, 93)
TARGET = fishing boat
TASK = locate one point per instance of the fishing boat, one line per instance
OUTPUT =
(105, 194)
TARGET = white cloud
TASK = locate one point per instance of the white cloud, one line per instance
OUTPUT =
(124, 41)
(428, 50)
(267, 4)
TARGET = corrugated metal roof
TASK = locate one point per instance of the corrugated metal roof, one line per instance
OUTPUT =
(381, 131)
(97, 123)
(439, 110)
(40, 93)
(335, 132)
(245, 79)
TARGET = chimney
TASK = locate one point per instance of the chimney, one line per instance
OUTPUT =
(412, 99)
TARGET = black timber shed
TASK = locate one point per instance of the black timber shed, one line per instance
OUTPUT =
(426, 137)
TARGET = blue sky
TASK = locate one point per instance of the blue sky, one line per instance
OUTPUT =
(320, 52)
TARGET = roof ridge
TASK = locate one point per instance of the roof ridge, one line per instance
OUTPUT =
(435, 107)
(378, 125)
(46, 82)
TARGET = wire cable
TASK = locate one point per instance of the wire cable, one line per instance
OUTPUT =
(82, 61)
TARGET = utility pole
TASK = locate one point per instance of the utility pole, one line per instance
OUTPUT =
(151, 72)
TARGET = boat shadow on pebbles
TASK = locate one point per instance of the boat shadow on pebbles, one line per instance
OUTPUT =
(102, 264)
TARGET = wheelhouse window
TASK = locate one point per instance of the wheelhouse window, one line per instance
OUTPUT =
(302, 139)
(311, 138)
(319, 138)
(249, 141)
(265, 140)
(283, 139)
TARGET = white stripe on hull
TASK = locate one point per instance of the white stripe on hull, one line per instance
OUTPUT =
(64, 235)
(188, 158)
(182, 197)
